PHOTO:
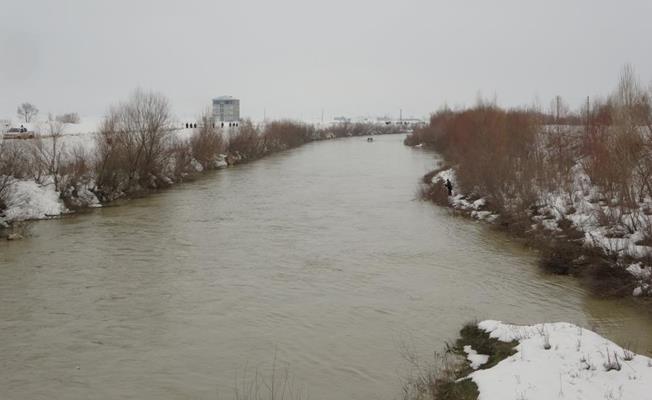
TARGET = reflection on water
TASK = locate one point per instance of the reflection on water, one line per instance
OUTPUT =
(319, 255)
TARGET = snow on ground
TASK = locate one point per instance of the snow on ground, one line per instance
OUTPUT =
(604, 225)
(459, 200)
(474, 358)
(643, 275)
(29, 200)
(578, 364)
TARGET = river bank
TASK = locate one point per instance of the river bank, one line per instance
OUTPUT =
(495, 361)
(574, 184)
(570, 240)
(53, 175)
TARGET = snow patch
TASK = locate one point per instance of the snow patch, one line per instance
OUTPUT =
(476, 360)
(639, 271)
(461, 201)
(29, 200)
(578, 364)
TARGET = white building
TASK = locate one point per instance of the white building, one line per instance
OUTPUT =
(226, 109)
(5, 124)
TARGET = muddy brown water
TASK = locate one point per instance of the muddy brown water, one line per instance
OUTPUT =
(319, 258)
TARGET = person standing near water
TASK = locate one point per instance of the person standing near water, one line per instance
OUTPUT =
(449, 187)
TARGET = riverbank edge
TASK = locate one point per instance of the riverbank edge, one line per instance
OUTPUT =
(488, 355)
(561, 252)
(19, 229)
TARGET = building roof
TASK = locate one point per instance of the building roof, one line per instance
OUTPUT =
(224, 98)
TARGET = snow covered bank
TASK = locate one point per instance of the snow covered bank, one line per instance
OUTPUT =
(561, 360)
(28, 200)
(460, 201)
(624, 239)
(73, 166)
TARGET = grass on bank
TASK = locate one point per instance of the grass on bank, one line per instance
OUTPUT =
(446, 377)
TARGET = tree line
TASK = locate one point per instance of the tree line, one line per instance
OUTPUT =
(137, 149)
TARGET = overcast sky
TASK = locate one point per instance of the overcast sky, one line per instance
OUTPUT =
(295, 57)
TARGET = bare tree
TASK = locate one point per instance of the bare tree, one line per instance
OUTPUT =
(68, 118)
(561, 146)
(134, 142)
(246, 142)
(206, 142)
(27, 111)
(48, 153)
(14, 163)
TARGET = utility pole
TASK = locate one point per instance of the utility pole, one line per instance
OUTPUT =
(400, 115)
(588, 115)
(557, 111)
(322, 115)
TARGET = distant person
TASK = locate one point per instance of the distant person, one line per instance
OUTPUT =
(449, 187)
(186, 125)
(195, 125)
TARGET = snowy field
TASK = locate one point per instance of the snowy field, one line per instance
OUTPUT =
(561, 361)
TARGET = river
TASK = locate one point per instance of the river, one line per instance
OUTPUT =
(319, 258)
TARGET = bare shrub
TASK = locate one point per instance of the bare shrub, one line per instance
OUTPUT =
(543, 332)
(79, 162)
(14, 164)
(68, 118)
(48, 152)
(440, 378)
(558, 257)
(495, 150)
(561, 143)
(628, 354)
(432, 135)
(110, 160)
(206, 142)
(246, 143)
(76, 167)
(435, 192)
(612, 362)
(349, 129)
(607, 280)
(446, 376)
(133, 144)
(646, 230)
(619, 159)
(181, 155)
(278, 384)
(281, 135)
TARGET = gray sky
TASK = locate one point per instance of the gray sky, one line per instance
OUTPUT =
(295, 57)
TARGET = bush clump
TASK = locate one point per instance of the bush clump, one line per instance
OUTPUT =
(447, 378)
